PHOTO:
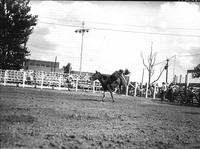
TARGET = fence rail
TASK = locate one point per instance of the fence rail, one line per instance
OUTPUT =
(42, 80)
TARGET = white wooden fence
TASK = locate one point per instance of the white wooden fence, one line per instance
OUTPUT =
(42, 80)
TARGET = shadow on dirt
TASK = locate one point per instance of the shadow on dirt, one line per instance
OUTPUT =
(174, 103)
(86, 99)
(194, 113)
(90, 99)
(17, 118)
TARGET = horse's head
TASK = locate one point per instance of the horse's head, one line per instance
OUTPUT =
(95, 76)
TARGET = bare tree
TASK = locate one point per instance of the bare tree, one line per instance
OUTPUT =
(149, 65)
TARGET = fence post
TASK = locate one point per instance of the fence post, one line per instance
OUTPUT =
(154, 91)
(76, 84)
(147, 86)
(24, 78)
(135, 90)
(187, 79)
(93, 87)
(128, 82)
(127, 89)
(5, 77)
(180, 79)
(186, 85)
(42, 81)
(174, 79)
(60, 82)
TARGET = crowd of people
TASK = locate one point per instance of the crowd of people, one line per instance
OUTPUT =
(174, 92)
(169, 92)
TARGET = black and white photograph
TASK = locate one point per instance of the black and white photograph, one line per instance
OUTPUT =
(99, 74)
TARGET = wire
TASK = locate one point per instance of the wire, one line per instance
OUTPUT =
(129, 31)
(172, 57)
(39, 46)
(164, 60)
(125, 31)
(190, 55)
(159, 63)
(130, 25)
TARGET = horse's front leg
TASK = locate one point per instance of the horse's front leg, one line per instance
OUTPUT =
(110, 90)
(112, 96)
(104, 95)
(120, 87)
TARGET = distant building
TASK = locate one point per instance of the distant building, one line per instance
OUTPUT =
(38, 65)
(82, 73)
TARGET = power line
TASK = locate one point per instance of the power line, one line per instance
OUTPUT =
(164, 61)
(190, 55)
(151, 33)
(59, 24)
(128, 31)
(159, 63)
(39, 46)
(130, 25)
(172, 57)
(145, 26)
(175, 57)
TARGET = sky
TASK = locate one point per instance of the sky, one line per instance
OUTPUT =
(118, 32)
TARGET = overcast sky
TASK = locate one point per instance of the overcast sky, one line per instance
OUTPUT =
(118, 32)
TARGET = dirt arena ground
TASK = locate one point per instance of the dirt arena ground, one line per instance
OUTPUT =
(34, 118)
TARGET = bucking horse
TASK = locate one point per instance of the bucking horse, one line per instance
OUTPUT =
(111, 82)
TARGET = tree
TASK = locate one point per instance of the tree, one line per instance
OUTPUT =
(16, 25)
(151, 59)
(196, 74)
(68, 68)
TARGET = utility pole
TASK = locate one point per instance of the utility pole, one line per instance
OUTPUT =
(142, 76)
(82, 31)
(166, 67)
(53, 71)
(174, 65)
(55, 64)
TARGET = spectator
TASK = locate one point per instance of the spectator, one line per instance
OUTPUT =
(157, 89)
(171, 90)
(163, 91)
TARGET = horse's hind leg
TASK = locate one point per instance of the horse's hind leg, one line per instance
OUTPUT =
(104, 95)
